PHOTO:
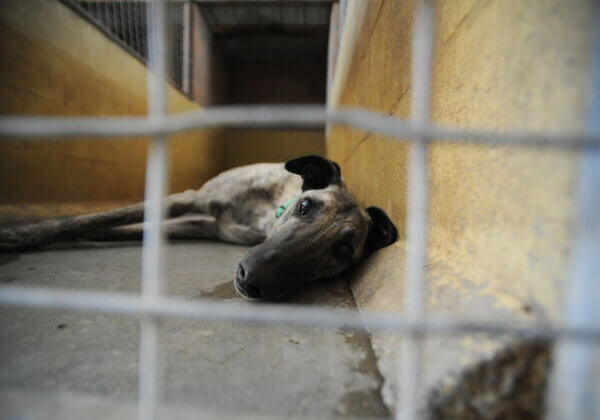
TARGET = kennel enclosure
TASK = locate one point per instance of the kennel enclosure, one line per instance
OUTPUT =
(427, 141)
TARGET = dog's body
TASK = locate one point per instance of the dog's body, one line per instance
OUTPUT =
(308, 226)
(237, 206)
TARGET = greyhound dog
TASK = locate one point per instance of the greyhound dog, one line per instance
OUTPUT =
(304, 222)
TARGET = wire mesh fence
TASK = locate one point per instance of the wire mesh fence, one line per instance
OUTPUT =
(126, 22)
(150, 29)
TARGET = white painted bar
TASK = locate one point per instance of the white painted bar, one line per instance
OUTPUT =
(153, 267)
(276, 116)
(277, 314)
(418, 190)
(573, 392)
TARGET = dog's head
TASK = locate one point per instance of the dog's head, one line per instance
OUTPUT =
(321, 234)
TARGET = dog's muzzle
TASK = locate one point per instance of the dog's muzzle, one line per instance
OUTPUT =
(245, 284)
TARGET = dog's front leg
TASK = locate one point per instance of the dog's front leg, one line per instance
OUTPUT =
(240, 234)
(229, 230)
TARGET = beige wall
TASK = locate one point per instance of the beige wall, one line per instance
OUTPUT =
(54, 63)
(499, 217)
(207, 78)
(273, 82)
(252, 146)
(376, 71)
(528, 68)
(496, 213)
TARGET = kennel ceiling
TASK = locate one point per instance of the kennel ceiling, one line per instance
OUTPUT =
(259, 30)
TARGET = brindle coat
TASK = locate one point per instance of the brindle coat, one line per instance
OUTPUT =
(321, 234)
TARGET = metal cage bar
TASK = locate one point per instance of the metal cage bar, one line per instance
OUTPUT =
(153, 272)
(572, 391)
(13, 128)
(417, 183)
(278, 314)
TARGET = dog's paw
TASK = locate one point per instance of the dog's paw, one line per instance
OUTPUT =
(240, 234)
(254, 237)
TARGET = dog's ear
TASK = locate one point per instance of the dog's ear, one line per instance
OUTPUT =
(382, 231)
(316, 171)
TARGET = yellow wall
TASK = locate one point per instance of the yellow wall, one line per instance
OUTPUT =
(54, 63)
(499, 217)
(252, 146)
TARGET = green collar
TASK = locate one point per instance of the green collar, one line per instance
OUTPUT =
(281, 209)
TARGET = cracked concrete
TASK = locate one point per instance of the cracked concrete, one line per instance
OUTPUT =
(54, 364)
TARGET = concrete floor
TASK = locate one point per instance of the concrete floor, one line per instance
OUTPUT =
(57, 364)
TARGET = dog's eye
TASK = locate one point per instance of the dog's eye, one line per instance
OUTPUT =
(344, 251)
(305, 206)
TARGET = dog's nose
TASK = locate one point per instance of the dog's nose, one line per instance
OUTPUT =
(246, 281)
(240, 276)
